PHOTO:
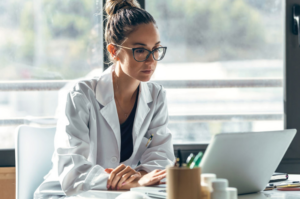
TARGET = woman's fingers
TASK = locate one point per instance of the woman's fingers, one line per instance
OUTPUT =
(123, 175)
(118, 177)
(155, 180)
(160, 173)
(132, 178)
(113, 174)
(152, 178)
(158, 178)
(108, 170)
(124, 178)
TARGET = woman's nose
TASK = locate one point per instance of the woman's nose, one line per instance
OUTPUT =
(150, 58)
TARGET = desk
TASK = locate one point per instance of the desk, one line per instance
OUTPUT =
(274, 194)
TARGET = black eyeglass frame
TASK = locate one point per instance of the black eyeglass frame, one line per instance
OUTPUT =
(150, 52)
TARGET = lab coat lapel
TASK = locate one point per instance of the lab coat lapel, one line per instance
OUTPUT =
(105, 96)
(141, 112)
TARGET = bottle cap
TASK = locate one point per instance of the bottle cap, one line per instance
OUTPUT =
(232, 192)
(220, 184)
(207, 178)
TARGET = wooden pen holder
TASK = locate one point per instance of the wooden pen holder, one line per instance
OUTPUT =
(183, 183)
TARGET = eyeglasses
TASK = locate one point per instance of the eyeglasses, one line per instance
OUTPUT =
(142, 54)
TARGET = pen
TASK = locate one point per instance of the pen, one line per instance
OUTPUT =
(190, 159)
(197, 160)
(149, 139)
(288, 185)
(180, 158)
(285, 184)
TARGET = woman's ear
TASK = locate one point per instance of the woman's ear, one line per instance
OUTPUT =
(112, 51)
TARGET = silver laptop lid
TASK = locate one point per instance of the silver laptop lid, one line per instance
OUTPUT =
(247, 160)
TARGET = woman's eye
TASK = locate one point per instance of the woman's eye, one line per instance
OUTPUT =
(140, 51)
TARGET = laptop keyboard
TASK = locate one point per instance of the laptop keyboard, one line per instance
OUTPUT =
(164, 191)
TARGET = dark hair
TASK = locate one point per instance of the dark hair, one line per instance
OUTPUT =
(123, 17)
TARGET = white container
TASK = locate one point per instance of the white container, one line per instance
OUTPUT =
(232, 193)
(207, 178)
(219, 186)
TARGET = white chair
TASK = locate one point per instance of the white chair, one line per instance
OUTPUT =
(34, 149)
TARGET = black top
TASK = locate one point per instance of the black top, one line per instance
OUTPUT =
(126, 133)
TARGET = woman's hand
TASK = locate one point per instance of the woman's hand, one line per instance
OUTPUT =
(121, 176)
(153, 178)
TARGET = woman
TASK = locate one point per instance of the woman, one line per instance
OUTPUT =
(114, 122)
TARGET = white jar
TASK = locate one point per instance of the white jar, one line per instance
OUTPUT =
(219, 186)
(232, 193)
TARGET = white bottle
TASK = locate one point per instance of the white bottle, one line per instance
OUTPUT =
(219, 186)
(232, 193)
(207, 178)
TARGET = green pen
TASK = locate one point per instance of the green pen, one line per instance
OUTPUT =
(197, 160)
(190, 159)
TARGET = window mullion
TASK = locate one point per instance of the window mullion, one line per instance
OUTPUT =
(291, 160)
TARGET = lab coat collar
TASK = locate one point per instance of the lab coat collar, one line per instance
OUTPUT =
(105, 96)
(105, 85)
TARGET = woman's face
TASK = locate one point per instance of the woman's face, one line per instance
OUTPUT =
(144, 36)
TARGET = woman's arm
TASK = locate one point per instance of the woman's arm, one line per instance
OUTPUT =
(145, 179)
(72, 160)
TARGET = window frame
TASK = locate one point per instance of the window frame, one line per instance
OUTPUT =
(291, 160)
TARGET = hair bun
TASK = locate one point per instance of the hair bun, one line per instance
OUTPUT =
(112, 6)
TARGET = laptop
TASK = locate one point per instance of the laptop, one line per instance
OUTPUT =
(155, 192)
(246, 160)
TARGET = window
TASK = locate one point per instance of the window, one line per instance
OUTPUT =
(223, 70)
(226, 61)
(43, 45)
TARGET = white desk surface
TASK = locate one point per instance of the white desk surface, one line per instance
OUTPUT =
(274, 194)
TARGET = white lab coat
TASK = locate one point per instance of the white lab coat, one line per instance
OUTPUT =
(88, 140)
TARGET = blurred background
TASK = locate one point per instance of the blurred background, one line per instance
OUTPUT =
(223, 69)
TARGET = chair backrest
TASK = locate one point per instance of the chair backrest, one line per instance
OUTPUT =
(34, 149)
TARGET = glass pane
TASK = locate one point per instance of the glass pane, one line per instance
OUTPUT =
(44, 40)
(221, 40)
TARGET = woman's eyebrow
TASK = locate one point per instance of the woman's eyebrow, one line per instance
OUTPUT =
(141, 44)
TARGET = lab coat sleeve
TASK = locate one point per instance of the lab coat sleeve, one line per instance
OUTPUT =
(72, 160)
(160, 152)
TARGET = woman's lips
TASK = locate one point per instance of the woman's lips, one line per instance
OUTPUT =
(147, 71)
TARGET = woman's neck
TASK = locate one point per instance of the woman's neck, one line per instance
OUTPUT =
(125, 87)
